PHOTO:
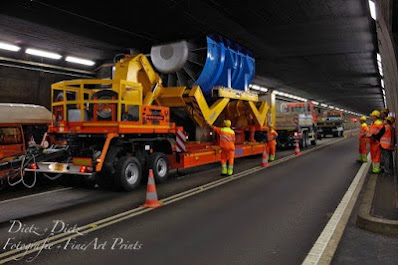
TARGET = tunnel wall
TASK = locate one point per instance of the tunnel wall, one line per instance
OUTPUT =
(388, 52)
(27, 86)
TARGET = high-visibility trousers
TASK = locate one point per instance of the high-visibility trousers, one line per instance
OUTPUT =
(362, 145)
(271, 147)
(227, 155)
(375, 152)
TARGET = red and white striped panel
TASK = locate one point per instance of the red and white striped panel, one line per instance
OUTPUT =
(181, 141)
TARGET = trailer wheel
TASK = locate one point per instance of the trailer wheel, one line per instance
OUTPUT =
(160, 165)
(128, 173)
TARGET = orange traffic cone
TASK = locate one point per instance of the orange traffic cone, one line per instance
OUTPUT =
(297, 148)
(264, 161)
(151, 195)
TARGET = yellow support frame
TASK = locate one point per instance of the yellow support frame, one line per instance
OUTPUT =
(260, 115)
(209, 114)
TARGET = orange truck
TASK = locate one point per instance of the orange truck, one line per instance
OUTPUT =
(21, 125)
(116, 129)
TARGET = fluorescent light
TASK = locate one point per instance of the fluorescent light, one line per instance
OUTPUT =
(9, 47)
(382, 83)
(378, 57)
(263, 89)
(372, 8)
(324, 105)
(41, 53)
(380, 69)
(72, 59)
(315, 103)
(384, 92)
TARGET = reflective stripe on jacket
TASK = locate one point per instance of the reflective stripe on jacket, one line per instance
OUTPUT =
(363, 130)
(272, 135)
(386, 141)
(375, 127)
(227, 138)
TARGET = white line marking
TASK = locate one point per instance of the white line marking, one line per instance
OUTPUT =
(36, 194)
(345, 207)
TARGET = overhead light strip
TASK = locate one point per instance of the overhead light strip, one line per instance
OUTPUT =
(9, 47)
(42, 53)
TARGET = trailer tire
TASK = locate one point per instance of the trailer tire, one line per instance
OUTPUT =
(128, 173)
(159, 163)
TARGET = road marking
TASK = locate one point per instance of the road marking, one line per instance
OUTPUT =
(36, 194)
(324, 248)
(84, 230)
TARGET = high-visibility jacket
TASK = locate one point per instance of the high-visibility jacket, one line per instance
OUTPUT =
(375, 127)
(227, 138)
(363, 130)
(387, 140)
(272, 135)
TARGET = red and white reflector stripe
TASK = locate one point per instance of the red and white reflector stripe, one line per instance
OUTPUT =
(181, 141)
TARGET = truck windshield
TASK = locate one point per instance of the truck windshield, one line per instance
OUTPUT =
(10, 135)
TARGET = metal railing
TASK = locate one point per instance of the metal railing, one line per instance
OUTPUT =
(83, 91)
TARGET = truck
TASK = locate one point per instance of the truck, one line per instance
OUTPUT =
(296, 121)
(331, 122)
(115, 130)
(21, 126)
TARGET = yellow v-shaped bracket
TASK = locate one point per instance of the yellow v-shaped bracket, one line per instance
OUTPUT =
(199, 104)
(260, 115)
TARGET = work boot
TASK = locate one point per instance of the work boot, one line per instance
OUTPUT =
(271, 158)
(376, 168)
(364, 158)
(224, 170)
(230, 171)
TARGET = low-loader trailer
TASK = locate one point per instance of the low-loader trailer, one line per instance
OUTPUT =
(116, 130)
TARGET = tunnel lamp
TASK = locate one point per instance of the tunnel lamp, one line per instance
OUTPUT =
(263, 89)
(72, 59)
(45, 54)
(378, 57)
(372, 8)
(381, 70)
(382, 83)
(315, 103)
(9, 47)
(384, 92)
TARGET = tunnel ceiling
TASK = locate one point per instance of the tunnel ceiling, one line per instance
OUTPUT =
(321, 50)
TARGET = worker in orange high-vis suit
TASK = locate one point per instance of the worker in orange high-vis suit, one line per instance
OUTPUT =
(387, 144)
(271, 143)
(363, 140)
(227, 144)
(374, 130)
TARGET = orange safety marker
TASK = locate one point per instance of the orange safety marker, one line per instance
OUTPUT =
(297, 148)
(151, 195)
(264, 161)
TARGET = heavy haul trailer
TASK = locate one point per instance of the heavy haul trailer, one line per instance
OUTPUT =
(117, 129)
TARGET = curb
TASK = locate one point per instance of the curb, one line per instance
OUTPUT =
(369, 222)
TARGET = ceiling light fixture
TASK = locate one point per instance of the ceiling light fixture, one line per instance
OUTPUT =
(9, 47)
(72, 59)
(45, 54)
(372, 8)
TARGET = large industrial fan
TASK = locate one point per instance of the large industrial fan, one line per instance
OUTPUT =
(218, 62)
